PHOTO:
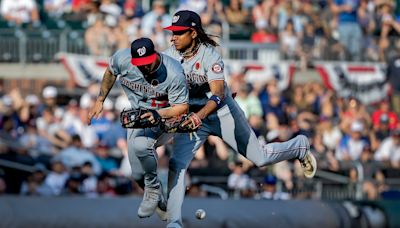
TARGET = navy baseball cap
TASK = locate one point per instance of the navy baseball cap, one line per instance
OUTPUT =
(183, 20)
(142, 52)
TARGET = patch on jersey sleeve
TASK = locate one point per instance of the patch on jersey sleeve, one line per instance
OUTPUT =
(217, 68)
(197, 66)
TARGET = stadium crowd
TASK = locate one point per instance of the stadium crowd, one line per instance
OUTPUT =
(66, 156)
(305, 29)
(57, 153)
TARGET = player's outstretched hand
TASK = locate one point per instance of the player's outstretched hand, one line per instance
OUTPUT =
(192, 122)
(152, 116)
(95, 111)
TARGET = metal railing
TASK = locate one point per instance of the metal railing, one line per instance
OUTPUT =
(30, 46)
(41, 46)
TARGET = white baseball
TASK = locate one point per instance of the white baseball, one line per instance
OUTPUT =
(200, 214)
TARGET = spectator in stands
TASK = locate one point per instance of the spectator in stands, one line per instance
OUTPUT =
(380, 132)
(289, 42)
(75, 155)
(93, 12)
(352, 111)
(197, 6)
(71, 121)
(79, 7)
(20, 12)
(75, 123)
(349, 29)
(240, 183)
(352, 144)
(213, 17)
(56, 8)
(73, 184)
(20, 107)
(111, 12)
(38, 147)
(56, 178)
(132, 9)
(99, 38)
(308, 43)
(265, 12)
(331, 134)
(389, 28)
(35, 183)
(263, 34)
(270, 191)
(149, 20)
(51, 130)
(384, 114)
(392, 77)
(389, 150)
(220, 157)
(325, 157)
(276, 104)
(89, 180)
(103, 123)
(236, 14)
(248, 101)
(366, 19)
(288, 14)
(120, 33)
(107, 163)
(116, 137)
(373, 178)
(33, 104)
(49, 95)
(104, 186)
(159, 36)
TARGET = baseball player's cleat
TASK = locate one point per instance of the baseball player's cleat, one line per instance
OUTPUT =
(161, 209)
(150, 201)
(309, 165)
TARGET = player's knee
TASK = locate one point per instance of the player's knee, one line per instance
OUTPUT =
(303, 141)
(140, 147)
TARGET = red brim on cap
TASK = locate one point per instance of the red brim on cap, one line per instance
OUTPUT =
(144, 60)
(176, 28)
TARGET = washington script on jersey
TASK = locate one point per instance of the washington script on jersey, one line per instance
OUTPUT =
(196, 78)
(141, 88)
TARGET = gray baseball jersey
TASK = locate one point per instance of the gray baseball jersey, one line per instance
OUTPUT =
(168, 86)
(228, 122)
(202, 68)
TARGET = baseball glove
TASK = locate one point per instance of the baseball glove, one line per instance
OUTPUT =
(173, 125)
(130, 118)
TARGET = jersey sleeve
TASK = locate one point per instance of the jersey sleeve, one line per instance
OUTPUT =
(113, 64)
(178, 93)
(214, 66)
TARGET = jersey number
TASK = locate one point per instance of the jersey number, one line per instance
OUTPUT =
(158, 104)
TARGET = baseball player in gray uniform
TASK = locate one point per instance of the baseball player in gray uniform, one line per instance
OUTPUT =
(216, 113)
(153, 81)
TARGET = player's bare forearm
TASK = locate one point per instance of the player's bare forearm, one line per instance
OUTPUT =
(173, 111)
(207, 109)
(217, 88)
(106, 85)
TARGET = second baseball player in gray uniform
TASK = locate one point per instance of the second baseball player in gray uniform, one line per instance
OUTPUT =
(217, 113)
(152, 81)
